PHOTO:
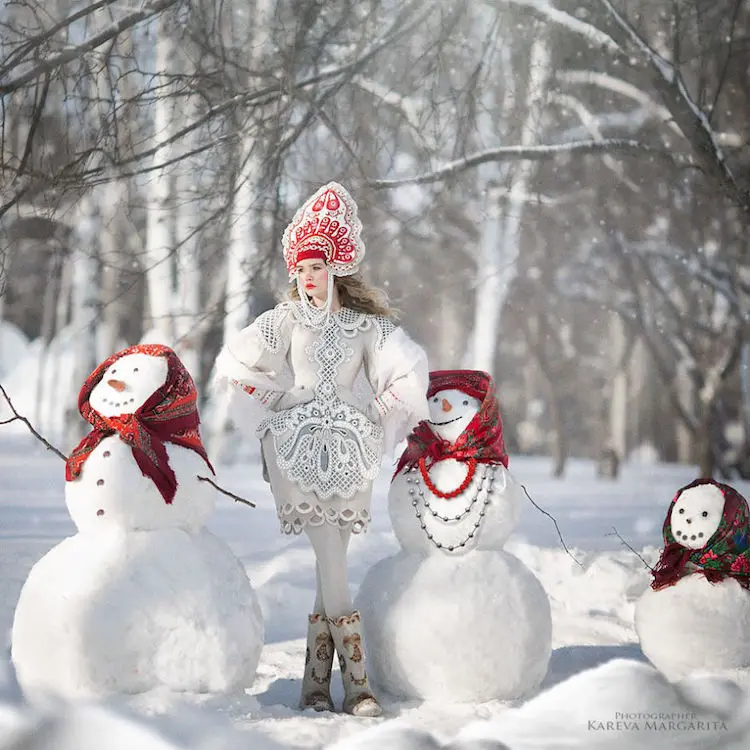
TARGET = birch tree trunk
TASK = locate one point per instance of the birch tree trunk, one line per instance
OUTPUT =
(58, 387)
(159, 223)
(618, 405)
(706, 457)
(243, 247)
(684, 437)
(744, 369)
(84, 314)
(451, 333)
(113, 200)
(44, 403)
(501, 232)
(188, 331)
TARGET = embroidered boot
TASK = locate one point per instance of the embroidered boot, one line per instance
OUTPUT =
(316, 683)
(347, 637)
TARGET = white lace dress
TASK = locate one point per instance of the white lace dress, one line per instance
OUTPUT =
(326, 450)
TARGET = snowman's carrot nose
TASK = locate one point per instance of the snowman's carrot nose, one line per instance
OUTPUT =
(118, 385)
(446, 405)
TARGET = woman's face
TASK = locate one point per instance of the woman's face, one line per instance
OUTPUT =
(314, 277)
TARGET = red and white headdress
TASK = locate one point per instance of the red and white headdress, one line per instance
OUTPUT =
(326, 227)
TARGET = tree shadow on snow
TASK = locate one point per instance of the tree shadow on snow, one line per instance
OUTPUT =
(569, 660)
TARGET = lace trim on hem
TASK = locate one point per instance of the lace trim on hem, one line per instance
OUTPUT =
(294, 518)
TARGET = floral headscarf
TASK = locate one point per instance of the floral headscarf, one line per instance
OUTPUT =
(725, 555)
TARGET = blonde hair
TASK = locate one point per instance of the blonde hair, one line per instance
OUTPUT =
(356, 294)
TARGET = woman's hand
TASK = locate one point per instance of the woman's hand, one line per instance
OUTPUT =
(373, 413)
(348, 397)
(294, 397)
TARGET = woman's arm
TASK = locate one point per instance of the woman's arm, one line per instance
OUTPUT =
(250, 368)
(398, 372)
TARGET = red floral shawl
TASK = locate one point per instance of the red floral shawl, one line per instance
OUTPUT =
(482, 440)
(170, 415)
(725, 554)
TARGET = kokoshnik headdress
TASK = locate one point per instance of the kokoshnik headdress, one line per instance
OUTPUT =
(325, 227)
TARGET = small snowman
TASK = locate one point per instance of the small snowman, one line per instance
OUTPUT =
(454, 616)
(695, 616)
(143, 596)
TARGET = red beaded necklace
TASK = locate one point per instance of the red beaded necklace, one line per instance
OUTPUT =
(455, 493)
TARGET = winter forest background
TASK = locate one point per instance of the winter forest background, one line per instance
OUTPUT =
(556, 191)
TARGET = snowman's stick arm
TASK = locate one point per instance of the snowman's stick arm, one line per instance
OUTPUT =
(20, 418)
(617, 534)
(236, 498)
(562, 541)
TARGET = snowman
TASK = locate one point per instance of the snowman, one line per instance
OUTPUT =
(695, 616)
(453, 616)
(143, 596)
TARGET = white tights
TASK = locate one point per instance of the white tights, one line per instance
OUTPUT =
(329, 542)
(332, 594)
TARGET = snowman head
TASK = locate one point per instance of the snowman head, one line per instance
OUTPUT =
(127, 383)
(696, 515)
(451, 411)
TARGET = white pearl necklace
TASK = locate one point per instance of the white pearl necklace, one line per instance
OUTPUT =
(484, 486)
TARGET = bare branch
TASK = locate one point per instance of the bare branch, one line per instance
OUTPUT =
(686, 113)
(79, 50)
(537, 153)
(727, 59)
(622, 87)
(718, 373)
(15, 58)
(589, 121)
(18, 417)
(616, 533)
(542, 10)
(559, 533)
(234, 497)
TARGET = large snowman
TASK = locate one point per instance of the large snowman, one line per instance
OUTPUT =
(453, 616)
(143, 596)
(695, 616)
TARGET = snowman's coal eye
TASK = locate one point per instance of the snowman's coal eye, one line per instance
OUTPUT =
(135, 369)
(466, 403)
(434, 400)
(112, 372)
(682, 510)
(705, 514)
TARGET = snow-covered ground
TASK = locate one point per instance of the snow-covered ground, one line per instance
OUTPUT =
(592, 591)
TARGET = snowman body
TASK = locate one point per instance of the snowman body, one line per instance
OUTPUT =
(482, 517)
(142, 597)
(454, 616)
(129, 611)
(695, 625)
(113, 493)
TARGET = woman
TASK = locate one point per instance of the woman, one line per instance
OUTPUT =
(322, 444)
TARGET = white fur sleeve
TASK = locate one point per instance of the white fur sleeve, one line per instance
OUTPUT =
(250, 367)
(399, 375)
